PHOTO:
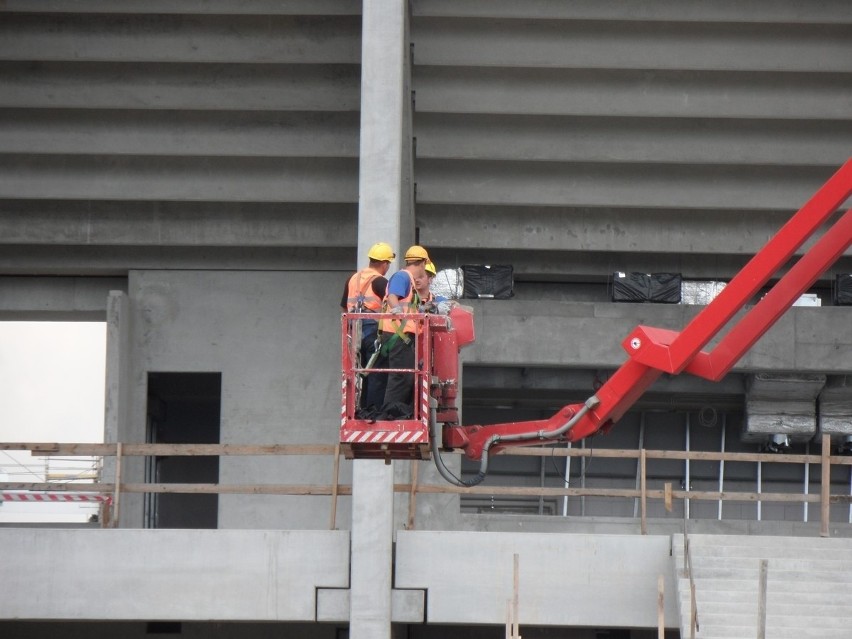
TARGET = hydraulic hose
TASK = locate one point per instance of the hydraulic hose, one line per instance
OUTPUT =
(494, 439)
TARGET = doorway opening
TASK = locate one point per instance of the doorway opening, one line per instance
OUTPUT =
(183, 408)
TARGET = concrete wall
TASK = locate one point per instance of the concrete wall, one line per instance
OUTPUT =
(565, 580)
(582, 334)
(115, 575)
(267, 333)
(169, 575)
(571, 140)
(207, 157)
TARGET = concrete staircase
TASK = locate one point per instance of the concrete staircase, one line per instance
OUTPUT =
(808, 591)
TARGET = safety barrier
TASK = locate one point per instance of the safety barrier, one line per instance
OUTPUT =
(334, 489)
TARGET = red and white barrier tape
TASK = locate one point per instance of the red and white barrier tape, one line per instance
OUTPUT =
(55, 497)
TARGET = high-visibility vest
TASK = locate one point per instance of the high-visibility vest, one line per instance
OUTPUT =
(410, 304)
(360, 296)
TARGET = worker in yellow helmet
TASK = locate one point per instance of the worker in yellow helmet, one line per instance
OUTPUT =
(428, 300)
(397, 336)
(364, 293)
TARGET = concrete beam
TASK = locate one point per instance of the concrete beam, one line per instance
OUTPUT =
(182, 575)
(808, 340)
(149, 85)
(565, 580)
(407, 606)
(56, 298)
(637, 93)
(166, 225)
(105, 177)
(631, 44)
(621, 139)
(212, 7)
(183, 133)
(206, 38)
(585, 184)
(832, 11)
(118, 260)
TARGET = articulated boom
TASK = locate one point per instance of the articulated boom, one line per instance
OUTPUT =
(654, 351)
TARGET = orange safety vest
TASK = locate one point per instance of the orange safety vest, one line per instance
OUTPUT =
(360, 296)
(410, 303)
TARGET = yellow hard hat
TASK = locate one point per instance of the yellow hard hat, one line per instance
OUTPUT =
(381, 252)
(430, 268)
(415, 253)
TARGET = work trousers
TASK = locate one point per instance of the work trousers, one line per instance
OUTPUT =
(400, 386)
(373, 385)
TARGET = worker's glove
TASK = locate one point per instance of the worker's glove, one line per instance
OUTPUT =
(428, 307)
(445, 307)
(397, 310)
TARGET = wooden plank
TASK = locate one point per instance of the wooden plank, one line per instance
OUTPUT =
(825, 486)
(694, 455)
(667, 496)
(243, 489)
(412, 495)
(515, 589)
(132, 450)
(335, 478)
(643, 500)
(172, 450)
(529, 491)
(323, 489)
(116, 495)
(761, 599)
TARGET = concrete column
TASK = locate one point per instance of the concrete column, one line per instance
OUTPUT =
(385, 185)
(372, 550)
(384, 215)
(117, 349)
(117, 427)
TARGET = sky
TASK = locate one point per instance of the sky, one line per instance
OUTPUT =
(52, 378)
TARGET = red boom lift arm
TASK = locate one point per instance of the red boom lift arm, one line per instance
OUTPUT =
(654, 351)
(651, 352)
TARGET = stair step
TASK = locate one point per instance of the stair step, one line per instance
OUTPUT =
(739, 632)
(775, 620)
(776, 586)
(802, 562)
(802, 576)
(776, 608)
(809, 587)
(804, 598)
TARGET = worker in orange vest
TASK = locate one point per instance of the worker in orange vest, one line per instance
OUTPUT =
(397, 336)
(364, 293)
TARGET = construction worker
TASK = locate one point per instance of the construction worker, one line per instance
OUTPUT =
(364, 293)
(398, 336)
(428, 300)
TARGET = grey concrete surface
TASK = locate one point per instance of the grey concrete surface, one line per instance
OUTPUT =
(804, 339)
(384, 215)
(209, 156)
(194, 321)
(565, 580)
(61, 299)
(807, 589)
(178, 574)
(407, 606)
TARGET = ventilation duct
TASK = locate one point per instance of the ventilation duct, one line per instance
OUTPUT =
(782, 404)
(835, 409)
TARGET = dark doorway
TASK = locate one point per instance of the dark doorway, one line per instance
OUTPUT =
(183, 408)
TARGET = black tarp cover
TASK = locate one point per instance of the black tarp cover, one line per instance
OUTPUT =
(662, 288)
(488, 281)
